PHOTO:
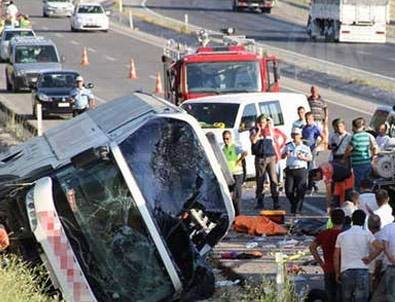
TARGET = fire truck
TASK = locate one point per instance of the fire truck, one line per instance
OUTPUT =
(233, 65)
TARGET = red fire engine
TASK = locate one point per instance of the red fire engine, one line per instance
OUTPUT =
(233, 67)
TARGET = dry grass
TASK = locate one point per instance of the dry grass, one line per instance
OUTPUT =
(20, 283)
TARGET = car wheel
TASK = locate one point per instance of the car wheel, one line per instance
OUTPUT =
(7, 81)
(45, 14)
(72, 28)
(15, 87)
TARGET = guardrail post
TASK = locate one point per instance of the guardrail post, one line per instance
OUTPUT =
(280, 274)
(186, 20)
(131, 24)
(39, 115)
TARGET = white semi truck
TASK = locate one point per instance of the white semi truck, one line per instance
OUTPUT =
(362, 21)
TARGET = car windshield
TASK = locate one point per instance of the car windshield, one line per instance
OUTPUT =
(18, 33)
(223, 77)
(213, 115)
(176, 179)
(57, 80)
(90, 9)
(36, 54)
(109, 236)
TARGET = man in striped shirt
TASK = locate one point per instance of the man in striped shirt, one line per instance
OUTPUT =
(362, 149)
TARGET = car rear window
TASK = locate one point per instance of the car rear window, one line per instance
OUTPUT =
(90, 9)
(10, 34)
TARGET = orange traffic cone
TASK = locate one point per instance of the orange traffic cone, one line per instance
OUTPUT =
(132, 70)
(84, 60)
(158, 84)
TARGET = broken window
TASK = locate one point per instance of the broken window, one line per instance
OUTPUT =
(109, 236)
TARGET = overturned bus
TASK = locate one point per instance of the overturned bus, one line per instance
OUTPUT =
(121, 203)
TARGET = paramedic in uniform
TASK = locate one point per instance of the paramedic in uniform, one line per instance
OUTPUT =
(82, 98)
(298, 155)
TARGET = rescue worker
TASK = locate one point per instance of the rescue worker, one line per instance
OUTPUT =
(234, 157)
(339, 182)
(82, 98)
(262, 146)
(11, 13)
(24, 21)
(298, 155)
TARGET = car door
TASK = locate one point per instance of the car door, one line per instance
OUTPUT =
(247, 120)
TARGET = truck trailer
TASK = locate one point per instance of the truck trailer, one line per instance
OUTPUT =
(363, 21)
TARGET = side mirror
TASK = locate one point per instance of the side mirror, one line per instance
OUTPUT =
(246, 126)
(90, 85)
(108, 13)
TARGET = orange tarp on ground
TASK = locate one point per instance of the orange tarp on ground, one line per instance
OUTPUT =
(257, 225)
(4, 240)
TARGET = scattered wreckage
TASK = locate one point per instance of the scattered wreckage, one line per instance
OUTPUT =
(122, 203)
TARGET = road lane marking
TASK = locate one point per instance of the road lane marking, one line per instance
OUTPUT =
(59, 35)
(91, 49)
(74, 42)
(110, 58)
(45, 28)
(364, 52)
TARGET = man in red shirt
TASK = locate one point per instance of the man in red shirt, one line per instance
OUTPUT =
(327, 240)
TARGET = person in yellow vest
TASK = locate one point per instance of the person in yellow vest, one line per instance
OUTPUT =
(24, 21)
(234, 156)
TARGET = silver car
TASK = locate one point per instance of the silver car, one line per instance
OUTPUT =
(58, 8)
(8, 34)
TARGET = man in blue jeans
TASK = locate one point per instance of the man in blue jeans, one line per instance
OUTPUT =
(351, 248)
(362, 149)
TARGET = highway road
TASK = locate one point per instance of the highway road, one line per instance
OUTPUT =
(375, 58)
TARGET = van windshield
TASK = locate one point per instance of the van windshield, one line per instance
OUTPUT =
(224, 77)
(108, 234)
(36, 54)
(213, 115)
(18, 33)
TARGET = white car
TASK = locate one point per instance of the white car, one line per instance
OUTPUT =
(58, 8)
(90, 16)
(7, 35)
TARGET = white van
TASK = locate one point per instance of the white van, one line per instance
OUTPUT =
(238, 112)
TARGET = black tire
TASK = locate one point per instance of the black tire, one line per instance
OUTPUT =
(45, 15)
(316, 295)
(15, 87)
(267, 10)
(8, 84)
(72, 29)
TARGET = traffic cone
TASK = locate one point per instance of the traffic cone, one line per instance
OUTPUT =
(158, 84)
(84, 60)
(132, 70)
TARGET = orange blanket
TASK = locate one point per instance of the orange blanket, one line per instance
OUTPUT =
(257, 225)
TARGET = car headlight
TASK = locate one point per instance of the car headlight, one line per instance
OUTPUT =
(19, 73)
(43, 97)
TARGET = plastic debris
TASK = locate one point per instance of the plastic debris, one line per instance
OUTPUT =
(226, 283)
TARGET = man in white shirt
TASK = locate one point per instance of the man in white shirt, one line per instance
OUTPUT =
(12, 12)
(385, 210)
(338, 140)
(367, 199)
(351, 247)
(388, 237)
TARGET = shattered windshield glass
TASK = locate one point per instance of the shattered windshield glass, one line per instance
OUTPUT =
(220, 77)
(108, 235)
(178, 183)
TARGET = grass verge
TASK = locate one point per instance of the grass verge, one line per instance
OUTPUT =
(20, 283)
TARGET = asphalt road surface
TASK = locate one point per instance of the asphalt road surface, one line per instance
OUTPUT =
(376, 58)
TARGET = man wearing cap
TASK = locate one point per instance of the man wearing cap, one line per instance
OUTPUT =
(298, 155)
(81, 98)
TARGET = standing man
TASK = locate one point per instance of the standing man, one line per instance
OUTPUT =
(82, 98)
(317, 106)
(11, 13)
(262, 147)
(384, 210)
(362, 149)
(327, 240)
(298, 155)
(234, 156)
(339, 140)
(312, 137)
(301, 121)
(352, 246)
(388, 237)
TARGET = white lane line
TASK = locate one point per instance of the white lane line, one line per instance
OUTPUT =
(335, 103)
(74, 42)
(59, 35)
(110, 58)
(45, 28)
(361, 52)
(90, 49)
(152, 77)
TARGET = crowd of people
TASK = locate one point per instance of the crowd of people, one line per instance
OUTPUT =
(13, 17)
(359, 242)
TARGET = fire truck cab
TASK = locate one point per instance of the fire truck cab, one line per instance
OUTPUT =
(233, 67)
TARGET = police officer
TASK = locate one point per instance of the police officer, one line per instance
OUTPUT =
(234, 156)
(82, 98)
(296, 175)
(262, 146)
